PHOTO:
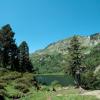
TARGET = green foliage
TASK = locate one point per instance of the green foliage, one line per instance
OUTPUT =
(92, 60)
(13, 95)
(75, 59)
(24, 62)
(74, 97)
(87, 80)
(22, 87)
(61, 95)
(45, 88)
(91, 75)
(55, 84)
(3, 92)
(11, 76)
(14, 85)
(24, 81)
(48, 63)
(10, 55)
(55, 57)
(76, 56)
(2, 85)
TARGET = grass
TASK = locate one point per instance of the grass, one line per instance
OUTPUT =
(68, 94)
(74, 97)
(14, 78)
(50, 96)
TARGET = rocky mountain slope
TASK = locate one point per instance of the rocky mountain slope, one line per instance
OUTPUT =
(56, 54)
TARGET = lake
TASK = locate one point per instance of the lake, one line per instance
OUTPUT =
(64, 80)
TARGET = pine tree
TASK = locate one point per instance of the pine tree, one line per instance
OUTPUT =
(9, 46)
(12, 57)
(24, 61)
(1, 49)
(75, 62)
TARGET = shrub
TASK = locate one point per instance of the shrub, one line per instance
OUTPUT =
(3, 92)
(89, 81)
(23, 81)
(2, 85)
(22, 87)
(14, 95)
(96, 83)
(45, 88)
(55, 84)
(11, 76)
(25, 90)
(27, 75)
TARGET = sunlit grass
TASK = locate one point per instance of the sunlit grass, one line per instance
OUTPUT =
(41, 95)
(14, 78)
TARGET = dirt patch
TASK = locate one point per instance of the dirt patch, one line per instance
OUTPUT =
(94, 93)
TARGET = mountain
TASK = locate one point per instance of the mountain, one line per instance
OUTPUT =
(54, 57)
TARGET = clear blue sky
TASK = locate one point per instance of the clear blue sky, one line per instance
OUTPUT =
(40, 22)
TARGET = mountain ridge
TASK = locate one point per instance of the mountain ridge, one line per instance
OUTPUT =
(61, 45)
(54, 57)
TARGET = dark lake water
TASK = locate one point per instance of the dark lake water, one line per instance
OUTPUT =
(64, 80)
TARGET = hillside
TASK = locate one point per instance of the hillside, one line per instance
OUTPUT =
(54, 57)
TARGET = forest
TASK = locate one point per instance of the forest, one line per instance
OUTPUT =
(13, 57)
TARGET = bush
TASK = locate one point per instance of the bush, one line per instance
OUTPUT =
(96, 83)
(45, 88)
(2, 85)
(55, 84)
(89, 81)
(23, 81)
(14, 95)
(27, 75)
(1, 73)
(11, 76)
(25, 90)
(22, 87)
(3, 92)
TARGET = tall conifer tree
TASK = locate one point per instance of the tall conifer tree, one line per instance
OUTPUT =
(24, 61)
(75, 62)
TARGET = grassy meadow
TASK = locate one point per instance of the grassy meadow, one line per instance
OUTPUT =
(19, 86)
